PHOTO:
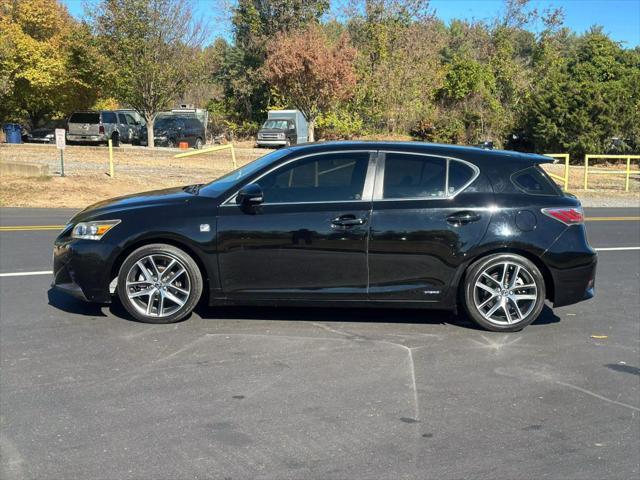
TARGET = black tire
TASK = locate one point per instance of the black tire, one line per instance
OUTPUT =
(171, 143)
(513, 321)
(115, 139)
(191, 271)
(198, 144)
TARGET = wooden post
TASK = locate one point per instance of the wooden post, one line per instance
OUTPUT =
(566, 172)
(111, 172)
(626, 184)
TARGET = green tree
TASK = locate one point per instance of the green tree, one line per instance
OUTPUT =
(254, 23)
(48, 66)
(155, 51)
(587, 100)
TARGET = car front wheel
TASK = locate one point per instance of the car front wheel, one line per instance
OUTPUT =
(159, 283)
(504, 292)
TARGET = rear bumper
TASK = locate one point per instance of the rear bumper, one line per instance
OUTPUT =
(572, 264)
(85, 138)
(574, 285)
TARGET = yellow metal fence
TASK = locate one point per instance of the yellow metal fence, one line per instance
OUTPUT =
(565, 159)
(606, 171)
(215, 148)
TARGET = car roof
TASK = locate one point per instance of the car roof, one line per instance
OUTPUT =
(454, 151)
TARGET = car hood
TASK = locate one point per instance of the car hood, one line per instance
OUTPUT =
(154, 198)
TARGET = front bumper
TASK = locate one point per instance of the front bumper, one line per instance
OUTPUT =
(81, 269)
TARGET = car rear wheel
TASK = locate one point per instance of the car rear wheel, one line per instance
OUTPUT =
(504, 292)
(198, 144)
(159, 283)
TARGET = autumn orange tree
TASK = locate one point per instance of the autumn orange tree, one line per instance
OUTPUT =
(309, 71)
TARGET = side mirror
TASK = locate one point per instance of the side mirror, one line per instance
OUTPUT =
(250, 196)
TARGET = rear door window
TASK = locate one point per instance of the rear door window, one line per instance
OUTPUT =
(85, 117)
(534, 181)
(413, 176)
(122, 118)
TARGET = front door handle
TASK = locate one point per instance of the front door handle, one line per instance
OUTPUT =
(462, 218)
(348, 221)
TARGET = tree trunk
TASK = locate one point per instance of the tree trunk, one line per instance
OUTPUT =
(311, 129)
(150, 139)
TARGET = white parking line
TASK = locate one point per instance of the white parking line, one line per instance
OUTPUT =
(24, 274)
(616, 249)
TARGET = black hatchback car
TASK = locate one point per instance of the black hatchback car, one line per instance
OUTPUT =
(346, 223)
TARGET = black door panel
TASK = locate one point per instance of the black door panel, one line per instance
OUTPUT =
(309, 237)
(420, 230)
(289, 251)
(414, 251)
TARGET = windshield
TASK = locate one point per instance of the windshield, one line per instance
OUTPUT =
(224, 183)
(279, 124)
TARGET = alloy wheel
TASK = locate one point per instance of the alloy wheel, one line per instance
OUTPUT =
(505, 293)
(158, 285)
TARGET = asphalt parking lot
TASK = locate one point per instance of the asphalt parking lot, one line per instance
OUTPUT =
(239, 393)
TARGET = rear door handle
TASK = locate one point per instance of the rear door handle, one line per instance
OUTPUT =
(462, 218)
(348, 221)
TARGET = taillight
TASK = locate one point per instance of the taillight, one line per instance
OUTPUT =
(567, 215)
(101, 129)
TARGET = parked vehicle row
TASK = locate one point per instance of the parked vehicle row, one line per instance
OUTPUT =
(121, 126)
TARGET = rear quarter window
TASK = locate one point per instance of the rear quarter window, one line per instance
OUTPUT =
(534, 181)
(109, 117)
(460, 174)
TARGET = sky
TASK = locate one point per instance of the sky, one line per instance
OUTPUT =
(619, 18)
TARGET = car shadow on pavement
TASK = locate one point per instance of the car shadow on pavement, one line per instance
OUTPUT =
(364, 315)
(69, 304)
(73, 305)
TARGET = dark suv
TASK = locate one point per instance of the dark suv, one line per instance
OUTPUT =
(170, 131)
(349, 223)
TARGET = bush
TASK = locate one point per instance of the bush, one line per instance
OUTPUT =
(339, 125)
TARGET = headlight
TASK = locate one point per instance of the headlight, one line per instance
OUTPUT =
(281, 136)
(49, 135)
(93, 230)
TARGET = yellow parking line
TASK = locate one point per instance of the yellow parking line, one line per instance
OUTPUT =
(612, 219)
(28, 228)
